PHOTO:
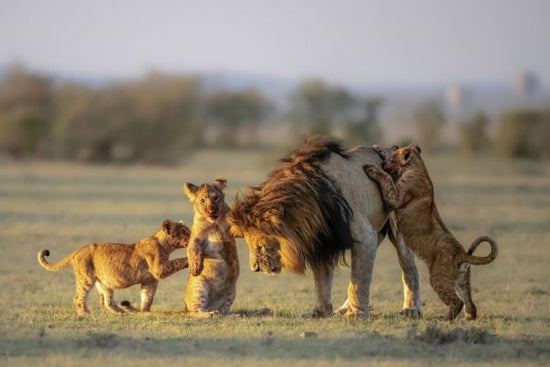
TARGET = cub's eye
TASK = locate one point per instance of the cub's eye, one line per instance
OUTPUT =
(202, 201)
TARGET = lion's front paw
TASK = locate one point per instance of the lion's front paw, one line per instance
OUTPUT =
(320, 312)
(371, 170)
(351, 313)
(195, 266)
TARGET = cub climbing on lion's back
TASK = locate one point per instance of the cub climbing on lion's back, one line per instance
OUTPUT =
(407, 189)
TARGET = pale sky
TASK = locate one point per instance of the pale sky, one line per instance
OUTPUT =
(359, 42)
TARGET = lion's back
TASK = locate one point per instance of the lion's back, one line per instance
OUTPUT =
(118, 266)
(362, 194)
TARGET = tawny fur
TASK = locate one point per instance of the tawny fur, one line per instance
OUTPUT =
(115, 266)
(407, 188)
(212, 252)
(313, 207)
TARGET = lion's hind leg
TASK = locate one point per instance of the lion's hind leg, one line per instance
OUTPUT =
(108, 302)
(464, 291)
(444, 285)
(197, 298)
(84, 282)
(412, 306)
(228, 302)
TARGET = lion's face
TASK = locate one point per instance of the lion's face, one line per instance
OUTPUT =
(177, 233)
(208, 200)
(400, 160)
(264, 253)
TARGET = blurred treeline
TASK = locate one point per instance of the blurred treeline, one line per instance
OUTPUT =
(160, 117)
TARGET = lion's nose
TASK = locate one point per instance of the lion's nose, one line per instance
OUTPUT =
(255, 268)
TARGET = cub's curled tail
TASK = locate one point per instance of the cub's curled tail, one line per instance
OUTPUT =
(481, 260)
(53, 267)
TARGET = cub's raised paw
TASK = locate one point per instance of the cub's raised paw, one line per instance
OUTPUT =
(195, 266)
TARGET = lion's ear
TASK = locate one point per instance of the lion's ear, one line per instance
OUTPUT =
(190, 190)
(394, 147)
(168, 226)
(415, 147)
(220, 183)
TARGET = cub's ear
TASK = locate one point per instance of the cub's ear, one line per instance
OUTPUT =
(415, 147)
(220, 183)
(168, 226)
(394, 147)
(190, 190)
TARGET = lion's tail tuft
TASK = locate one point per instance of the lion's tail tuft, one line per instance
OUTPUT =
(53, 267)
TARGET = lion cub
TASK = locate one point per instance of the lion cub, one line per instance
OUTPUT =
(115, 266)
(212, 253)
(406, 187)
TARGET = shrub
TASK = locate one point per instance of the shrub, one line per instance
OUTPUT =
(524, 134)
(429, 120)
(473, 133)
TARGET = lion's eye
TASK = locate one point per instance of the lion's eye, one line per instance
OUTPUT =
(202, 201)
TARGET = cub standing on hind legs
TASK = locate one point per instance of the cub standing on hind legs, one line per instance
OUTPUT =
(212, 253)
(115, 266)
(407, 188)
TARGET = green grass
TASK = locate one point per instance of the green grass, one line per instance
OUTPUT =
(61, 206)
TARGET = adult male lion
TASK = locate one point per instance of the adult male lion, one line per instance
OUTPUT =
(315, 205)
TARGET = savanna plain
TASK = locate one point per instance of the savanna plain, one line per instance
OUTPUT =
(62, 206)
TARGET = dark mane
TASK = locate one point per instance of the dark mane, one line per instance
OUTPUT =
(302, 204)
(315, 148)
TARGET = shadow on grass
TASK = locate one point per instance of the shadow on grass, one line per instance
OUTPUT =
(270, 346)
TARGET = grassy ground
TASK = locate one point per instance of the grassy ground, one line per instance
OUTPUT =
(63, 206)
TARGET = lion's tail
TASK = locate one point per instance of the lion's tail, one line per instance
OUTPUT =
(53, 267)
(481, 260)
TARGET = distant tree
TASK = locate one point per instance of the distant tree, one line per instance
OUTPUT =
(524, 133)
(164, 123)
(473, 133)
(152, 120)
(25, 113)
(316, 106)
(429, 120)
(365, 130)
(73, 107)
(234, 111)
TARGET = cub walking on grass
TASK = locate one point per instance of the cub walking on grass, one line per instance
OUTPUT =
(115, 266)
(212, 253)
(406, 187)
